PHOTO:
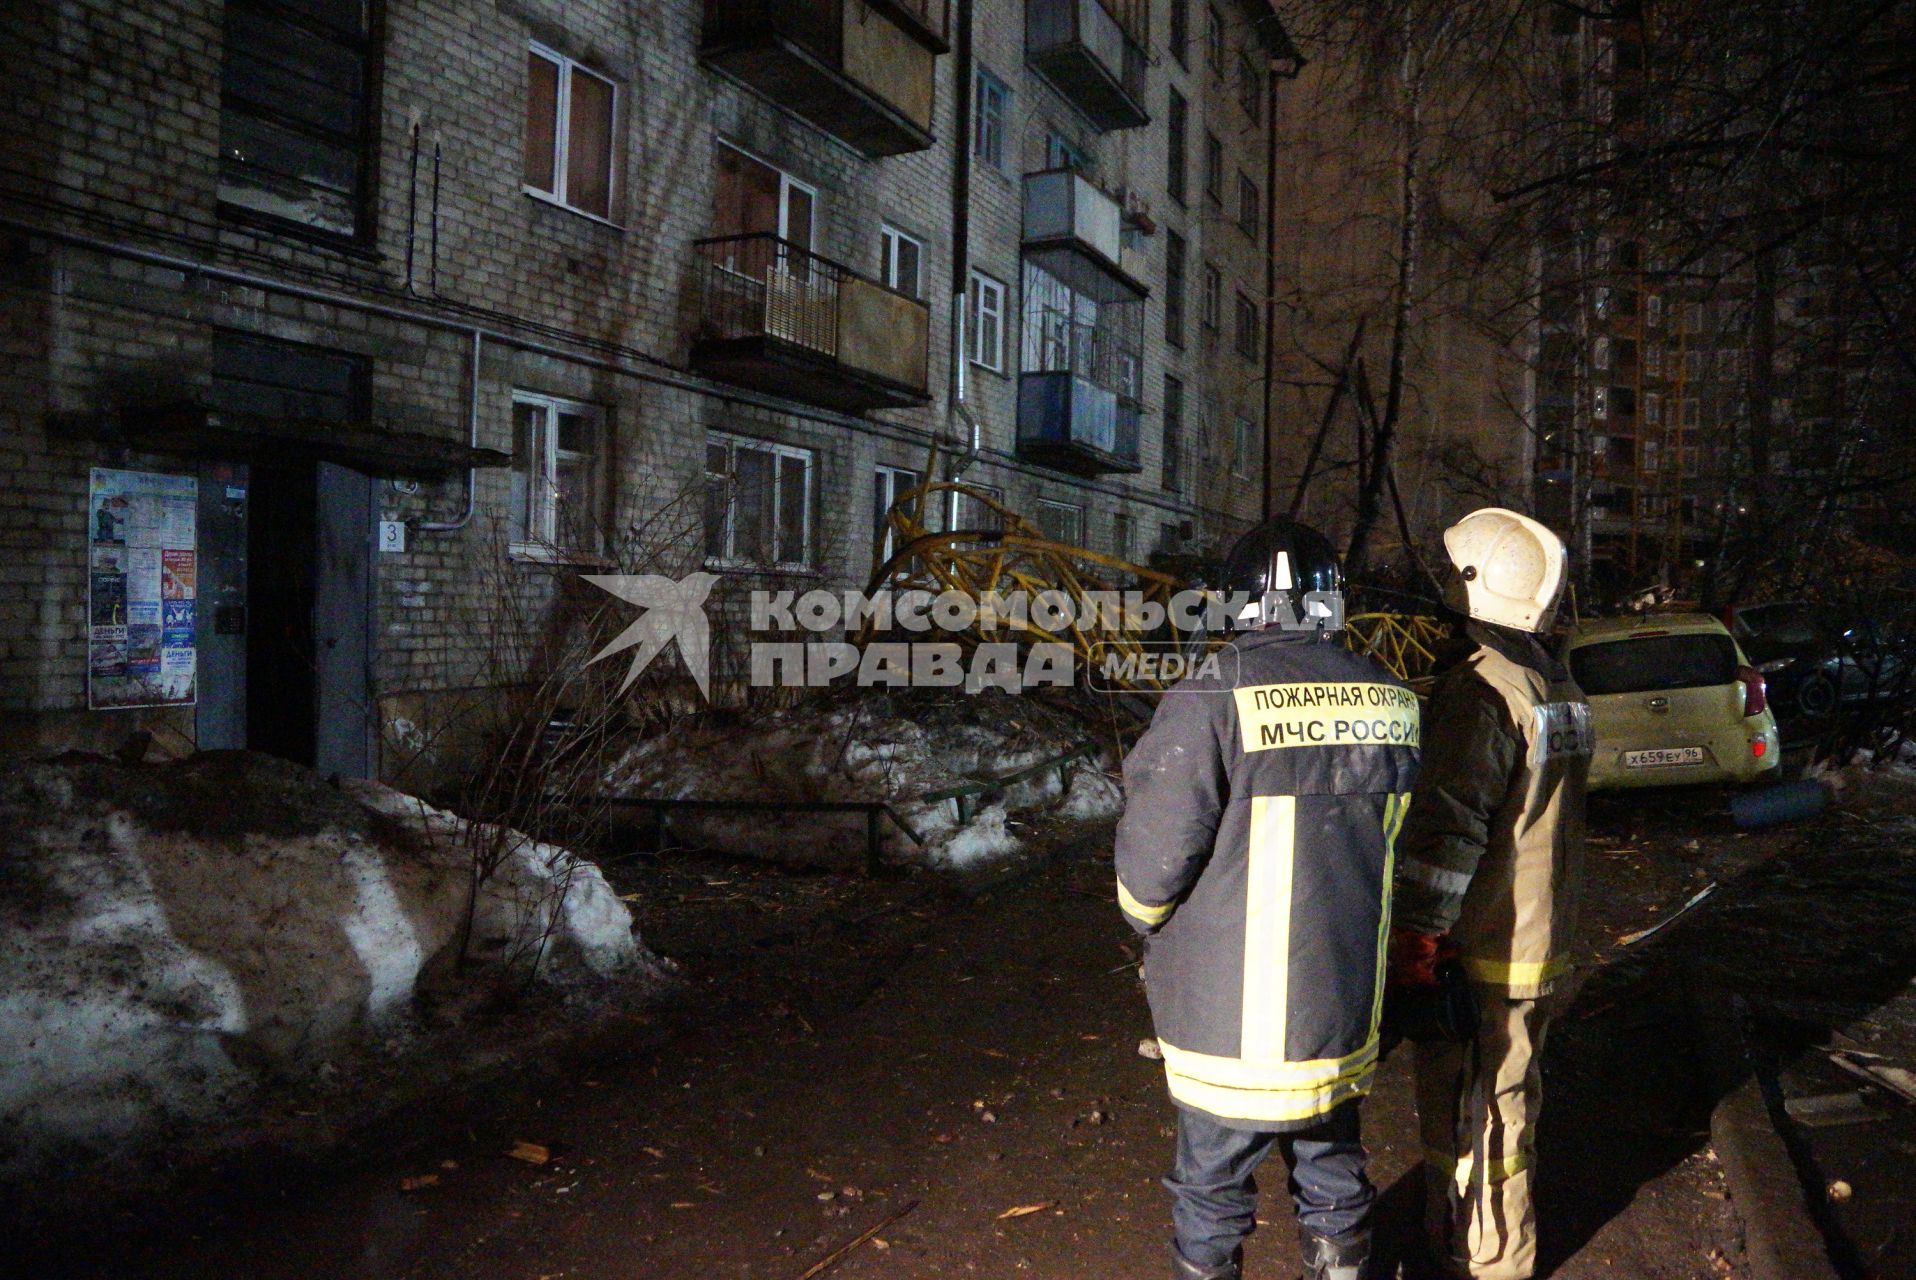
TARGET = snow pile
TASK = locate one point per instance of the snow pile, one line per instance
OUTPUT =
(872, 746)
(173, 936)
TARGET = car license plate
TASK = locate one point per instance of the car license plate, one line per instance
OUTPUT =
(1660, 756)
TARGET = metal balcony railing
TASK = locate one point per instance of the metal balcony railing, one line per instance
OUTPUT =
(1101, 355)
(759, 286)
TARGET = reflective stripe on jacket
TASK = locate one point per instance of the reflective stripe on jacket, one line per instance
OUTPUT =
(1254, 853)
(1492, 850)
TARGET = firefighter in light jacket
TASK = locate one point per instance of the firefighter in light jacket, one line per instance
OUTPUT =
(1255, 856)
(1490, 872)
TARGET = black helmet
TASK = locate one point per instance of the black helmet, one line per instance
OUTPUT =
(1291, 575)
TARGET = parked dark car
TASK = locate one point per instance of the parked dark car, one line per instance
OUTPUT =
(1813, 663)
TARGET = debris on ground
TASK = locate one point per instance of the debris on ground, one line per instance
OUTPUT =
(906, 748)
(173, 937)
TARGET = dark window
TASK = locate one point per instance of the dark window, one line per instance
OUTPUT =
(1248, 205)
(1214, 169)
(1173, 433)
(1246, 327)
(278, 379)
(569, 119)
(1174, 142)
(1181, 31)
(1174, 288)
(293, 112)
(990, 105)
(1655, 662)
(1250, 87)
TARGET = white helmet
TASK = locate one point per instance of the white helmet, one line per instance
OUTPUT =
(1512, 567)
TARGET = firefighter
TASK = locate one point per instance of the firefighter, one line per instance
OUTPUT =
(1254, 856)
(1489, 874)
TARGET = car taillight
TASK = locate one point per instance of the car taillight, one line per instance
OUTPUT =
(1757, 747)
(1756, 694)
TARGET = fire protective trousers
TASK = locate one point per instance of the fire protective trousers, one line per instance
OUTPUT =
(1477, 1106)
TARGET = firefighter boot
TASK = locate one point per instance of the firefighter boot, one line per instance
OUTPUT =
(1328, 1259)
(1182, 1268)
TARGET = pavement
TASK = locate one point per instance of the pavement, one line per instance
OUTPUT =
(909, 1079)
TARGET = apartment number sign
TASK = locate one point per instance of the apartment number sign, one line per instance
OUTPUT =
(142, 589)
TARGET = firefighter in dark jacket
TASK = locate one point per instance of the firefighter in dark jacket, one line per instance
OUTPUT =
(1255, 856)
(1490, 872)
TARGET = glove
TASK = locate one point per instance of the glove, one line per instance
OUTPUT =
(1415, 957)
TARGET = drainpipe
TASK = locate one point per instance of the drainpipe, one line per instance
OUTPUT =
(1270, 277)
(961, 246)
(472, 441)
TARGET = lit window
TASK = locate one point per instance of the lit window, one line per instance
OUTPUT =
(758, 503)
(986, 320)
(556, 505)
(569, 120)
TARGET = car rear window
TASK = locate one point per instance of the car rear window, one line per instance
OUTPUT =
(1654, 662)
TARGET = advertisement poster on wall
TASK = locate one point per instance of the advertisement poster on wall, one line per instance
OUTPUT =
(143, 593)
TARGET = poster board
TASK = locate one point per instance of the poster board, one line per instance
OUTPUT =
(142, 589)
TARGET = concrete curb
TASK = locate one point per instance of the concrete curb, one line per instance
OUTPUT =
(1781, 1238)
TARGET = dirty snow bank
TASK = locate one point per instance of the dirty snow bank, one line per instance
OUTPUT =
(172, 937)
(867, 745)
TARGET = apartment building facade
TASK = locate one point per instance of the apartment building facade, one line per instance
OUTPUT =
(328, 320)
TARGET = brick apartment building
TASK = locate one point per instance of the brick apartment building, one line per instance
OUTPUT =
(325, 317)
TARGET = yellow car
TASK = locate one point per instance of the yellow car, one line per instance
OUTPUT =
(1673, 700)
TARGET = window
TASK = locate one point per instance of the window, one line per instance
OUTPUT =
(1653, 360)
(1173, 433)
(1250, 87)
(1214, 39)
(1653, 309)
(753, 198)
(1214, 169)
(1600, 354)
(889, 484)
(1061, 522)
(569, 120)
(1243, 445)
(991, 108)
(1211, 307)
(1173, 288)
(1600, 403)
(901, 262)
(986, 320)
(556, 446)
(1181, 32)
(1693, 317)
(293, 113)
(1248, 205)
(1693, 366)
(1246, 332)
(1121, 536)
(1175, 120)
(1686, 412)
(972, 513)
(1061, 152)
(1600, 301)
(1652, 409)
(758, 503)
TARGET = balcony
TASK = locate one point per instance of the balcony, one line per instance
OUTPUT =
(782, 320)
(1075, 232)
(860, 70)
(1077, 401)
(1092, 52)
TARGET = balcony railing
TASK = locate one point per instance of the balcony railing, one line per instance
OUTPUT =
(1076, 232)
(1093, 51)
(775, 316)
(1078, 396)
(860, 70)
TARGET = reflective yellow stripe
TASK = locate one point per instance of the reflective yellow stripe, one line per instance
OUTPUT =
(1269, 1104)
(1395, 806)
(1132, 907)
(1269, 1075)
(1267, 928)
(1495, 1171)
(1515, 973)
